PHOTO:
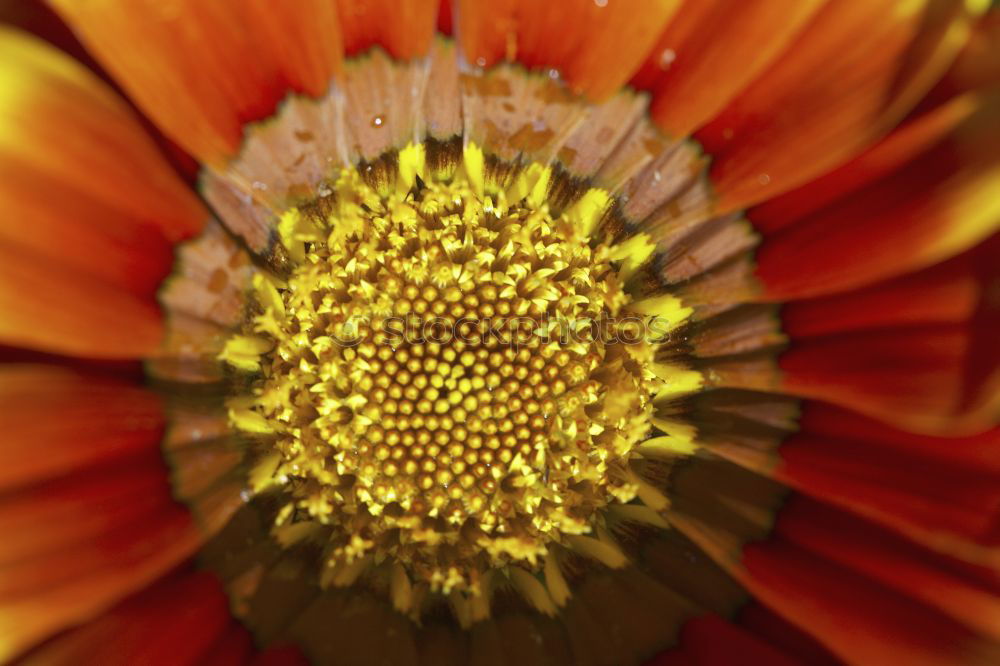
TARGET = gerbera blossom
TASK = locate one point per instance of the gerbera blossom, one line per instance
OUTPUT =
(578, 332)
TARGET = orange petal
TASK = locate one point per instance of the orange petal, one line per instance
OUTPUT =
(600, 45)
(710, 51)
(938, 204)
(404, 29)
(77, 418)
(128, 370)
(175, 622)
(78, 233)
(893, 152)
(91, 210)
(202, 70)
(856, 69)
(859, 620)
(71, 132)
(47, 306)
(302, 41)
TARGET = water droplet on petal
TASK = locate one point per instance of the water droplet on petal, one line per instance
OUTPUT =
(481, 61)
(377, 121)
(601, 3)
(257, 185)
(763, 179)
(666, 58)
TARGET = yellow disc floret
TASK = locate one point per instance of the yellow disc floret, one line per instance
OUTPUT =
(453, 379)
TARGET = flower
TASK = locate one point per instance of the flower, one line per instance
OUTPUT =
(573, 332)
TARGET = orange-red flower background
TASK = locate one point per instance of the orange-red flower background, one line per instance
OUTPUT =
(861, 138)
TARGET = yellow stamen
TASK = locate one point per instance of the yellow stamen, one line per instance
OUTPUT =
(446, 381)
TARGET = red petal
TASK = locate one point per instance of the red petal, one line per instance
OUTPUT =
(770, 626)
(68, 586)
(77, 419)
(709, 640)
(93, 518)
(938, 204)
(63, 513)
(444, 19)
(856, 69)
(952, 510)
(916, 377)
(857, 619)
(232, 649)
(894, 562)
(980, 451)
(947, 293)
(175, 622)
(281, 656)
(36, 17)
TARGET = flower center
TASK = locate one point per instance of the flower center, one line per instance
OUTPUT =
(451, 380)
